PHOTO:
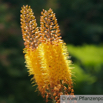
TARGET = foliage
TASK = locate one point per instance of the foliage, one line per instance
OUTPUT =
(88, 63)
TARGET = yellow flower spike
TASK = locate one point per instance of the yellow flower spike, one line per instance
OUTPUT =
(32, 51)
(46, 54)
(55, 54)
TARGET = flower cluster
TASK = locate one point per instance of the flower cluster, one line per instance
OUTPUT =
(46, 54)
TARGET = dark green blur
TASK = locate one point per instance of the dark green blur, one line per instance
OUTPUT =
(81, 25)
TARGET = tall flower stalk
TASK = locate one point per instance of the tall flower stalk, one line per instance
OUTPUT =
(46, 54)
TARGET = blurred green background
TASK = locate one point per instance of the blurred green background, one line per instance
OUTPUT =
(81, 24)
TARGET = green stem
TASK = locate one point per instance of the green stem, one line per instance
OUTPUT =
(53, 101)
(52, 95)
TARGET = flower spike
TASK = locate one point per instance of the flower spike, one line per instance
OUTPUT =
(31, 36)
(49, 27)
(29, 27)
(46, 54)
